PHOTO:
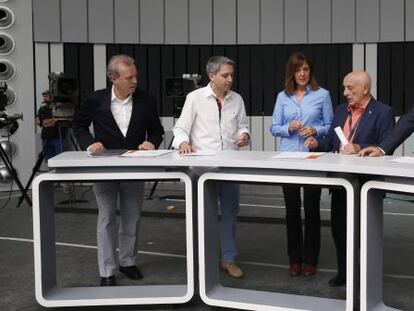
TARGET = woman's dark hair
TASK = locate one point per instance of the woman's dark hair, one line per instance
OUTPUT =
(296, 61)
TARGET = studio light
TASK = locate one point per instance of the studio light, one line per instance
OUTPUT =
(6, 17)
(7, 44)
(11, 96)
(7, 70)
(4, 174)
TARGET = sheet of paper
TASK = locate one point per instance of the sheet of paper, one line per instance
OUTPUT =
(145, 153)
(341, 136)
(199, 153)
(297, 155)
(403, 160)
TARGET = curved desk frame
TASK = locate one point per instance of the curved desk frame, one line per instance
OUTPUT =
(214, 294)
(247, 167)
(49, 294)
(372, 194)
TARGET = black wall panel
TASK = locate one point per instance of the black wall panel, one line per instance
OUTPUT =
(243, 75)
(141, 57)
(396, 75)
(155, 80)
(256, 81)
(409, 76)
(270, 68)
(259, 73)
(78, 63)
(167, 71)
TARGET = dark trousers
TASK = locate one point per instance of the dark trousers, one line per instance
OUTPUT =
(303, 248)
(56, 147)
(338, 227)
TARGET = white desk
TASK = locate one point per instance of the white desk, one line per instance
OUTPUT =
(246, 166)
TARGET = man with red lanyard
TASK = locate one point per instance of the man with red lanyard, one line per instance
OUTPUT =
(364, 121)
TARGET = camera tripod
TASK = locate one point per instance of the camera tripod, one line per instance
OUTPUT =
(154, 186)
(42, 156)
(13, 174)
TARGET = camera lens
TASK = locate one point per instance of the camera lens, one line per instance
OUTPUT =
(67, 88)
(7, 70)
(6, 17)
(174, 87)
(6, 44)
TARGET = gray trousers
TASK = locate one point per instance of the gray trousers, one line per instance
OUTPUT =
(131, 195)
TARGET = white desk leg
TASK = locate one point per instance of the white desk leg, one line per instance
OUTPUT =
(372, 194)
(211, 244)
(49, 294)
(47, 237)
(215, 294)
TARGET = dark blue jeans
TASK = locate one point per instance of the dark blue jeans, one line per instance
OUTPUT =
(56, 146)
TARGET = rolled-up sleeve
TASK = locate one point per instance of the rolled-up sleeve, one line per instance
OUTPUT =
(242, 123)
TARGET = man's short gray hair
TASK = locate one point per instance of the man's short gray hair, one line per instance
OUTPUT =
(214, 63)
(112, 68)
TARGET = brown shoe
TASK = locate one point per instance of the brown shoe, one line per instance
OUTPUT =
(309, 270)
(232, 269)
(295, 269)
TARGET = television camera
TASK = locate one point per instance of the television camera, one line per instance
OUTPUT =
(64, 93)
(178, 88)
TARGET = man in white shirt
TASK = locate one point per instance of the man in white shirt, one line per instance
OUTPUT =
(123, 117)
(214, 118)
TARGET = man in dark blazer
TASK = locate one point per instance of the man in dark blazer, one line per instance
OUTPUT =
(123, 117)
(402, 130)
(364, 121)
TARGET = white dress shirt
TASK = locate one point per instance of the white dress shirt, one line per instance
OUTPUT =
(121, 110)
(204, 127)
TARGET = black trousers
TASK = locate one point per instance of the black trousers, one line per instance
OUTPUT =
(338, 227)
(303, 247)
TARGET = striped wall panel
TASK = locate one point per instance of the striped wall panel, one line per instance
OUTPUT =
(258, 82)
(259, 76)
(259, 73)
(223, 21)
(88, 62)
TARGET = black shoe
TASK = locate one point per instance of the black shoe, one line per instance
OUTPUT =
(108, 281)
(337, 281)
(131, 272)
